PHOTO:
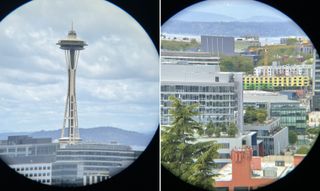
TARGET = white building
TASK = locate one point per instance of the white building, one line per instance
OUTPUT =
(314, 119)
(284, 70)
(196, 78)
(39, 172)
(226, 144)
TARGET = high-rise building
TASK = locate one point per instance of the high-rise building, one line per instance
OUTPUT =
(72, 46)
(218, 93)
(218, 45)
(315, 102)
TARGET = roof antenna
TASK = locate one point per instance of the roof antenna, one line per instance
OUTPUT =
(72, 25)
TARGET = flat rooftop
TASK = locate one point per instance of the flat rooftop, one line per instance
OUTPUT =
(265, 97)
(225, 174)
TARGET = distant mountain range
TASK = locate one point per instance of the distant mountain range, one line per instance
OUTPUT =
(97, 134)
(199, 16)
(235, 29)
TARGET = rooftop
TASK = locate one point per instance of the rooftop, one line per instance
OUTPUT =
(265, 97)
(225, 174)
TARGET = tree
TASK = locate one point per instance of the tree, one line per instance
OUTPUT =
(253, 115)
(261, 116)
(293, 137)
(217, 132)
(191, 161)
(236, 64)
(210, 129)
(232, 130)
(303, 150)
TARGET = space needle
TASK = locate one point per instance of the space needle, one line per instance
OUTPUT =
(71, 46)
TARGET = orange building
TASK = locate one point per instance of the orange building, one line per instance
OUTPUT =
(246, 172)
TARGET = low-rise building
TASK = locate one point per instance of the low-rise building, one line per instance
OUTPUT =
(284, 70)
(314, 119)
(65, 164)
(274, 138)
(247, 172)
(290, 112)
(227, 144)
(276, 83)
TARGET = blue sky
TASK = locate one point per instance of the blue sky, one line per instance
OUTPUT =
(231, 10)
(117, 76)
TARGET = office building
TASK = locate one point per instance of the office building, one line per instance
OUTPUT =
(274, 137)
(70, 165)
(85, 164)
(227, 144)
(290, 112)
(218, 45)
(219, 94)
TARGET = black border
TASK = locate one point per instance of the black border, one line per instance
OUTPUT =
(304, 176)
(143, 174)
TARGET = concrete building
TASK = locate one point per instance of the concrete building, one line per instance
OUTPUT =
(290, 112)
(276, 83)
(218, 93)
(39, 172)
(315, 101)
(247, 172)
(227, 144)
(218, 45)
(70, 165)
(284, 70)
(85, 164)
(31, 157)
(274, 138)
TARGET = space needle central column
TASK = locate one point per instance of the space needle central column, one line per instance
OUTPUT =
(72, 46)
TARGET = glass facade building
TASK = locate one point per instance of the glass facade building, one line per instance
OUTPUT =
(84, 164)
(291, 115)
(64, 164)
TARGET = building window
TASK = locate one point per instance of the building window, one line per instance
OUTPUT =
(216, 79)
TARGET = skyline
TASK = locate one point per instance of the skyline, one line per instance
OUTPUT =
(117, 81)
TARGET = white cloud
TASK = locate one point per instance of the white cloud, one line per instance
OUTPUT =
(117, 77)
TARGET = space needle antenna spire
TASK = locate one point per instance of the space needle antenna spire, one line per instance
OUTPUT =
(71, 46)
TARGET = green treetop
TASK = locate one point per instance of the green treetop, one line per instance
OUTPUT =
(187, 159)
